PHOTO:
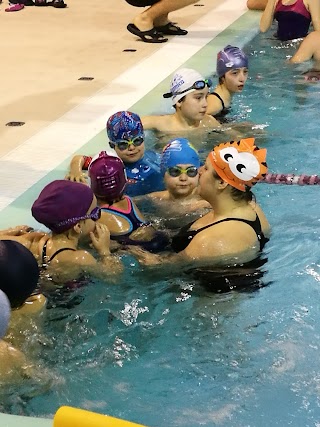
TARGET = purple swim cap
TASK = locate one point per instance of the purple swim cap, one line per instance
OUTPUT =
(124, 125)
(229, 58)
(108, 176)
(60, 203)
(179, 151)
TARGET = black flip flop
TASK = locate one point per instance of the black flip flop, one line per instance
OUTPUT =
(170, 29)
(150, 36)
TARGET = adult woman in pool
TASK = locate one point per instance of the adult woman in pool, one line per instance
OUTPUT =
(294, 17)
(236, 229)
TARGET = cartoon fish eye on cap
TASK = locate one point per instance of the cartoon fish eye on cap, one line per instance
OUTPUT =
(240, 163)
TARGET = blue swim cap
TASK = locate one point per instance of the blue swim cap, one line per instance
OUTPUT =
(179, 151)
(124, 125)
(230, 57)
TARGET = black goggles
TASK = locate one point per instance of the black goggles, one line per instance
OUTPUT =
(124, 144)
(198, 85)
(176, 171)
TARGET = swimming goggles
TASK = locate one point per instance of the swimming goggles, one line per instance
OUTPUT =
(123, 144)
(95, 214)
(198, 85)
(176, 171)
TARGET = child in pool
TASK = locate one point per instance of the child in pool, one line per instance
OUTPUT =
(69, 210)
(118, 212)
(126, 137)
(19, 277)
(179, 166)
(232, 71)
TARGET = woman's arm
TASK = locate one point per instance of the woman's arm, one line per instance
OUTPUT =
(267, 16)
(314, 9)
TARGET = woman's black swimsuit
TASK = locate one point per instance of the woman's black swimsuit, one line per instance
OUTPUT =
(181, 240)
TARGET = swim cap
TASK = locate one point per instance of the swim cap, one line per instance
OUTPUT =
(19, 272)
(60, 201)
(182, 80)
(230, 57)
(179, 151)
(239, 163)
(108, 176)
(124, 125)
(4, 313)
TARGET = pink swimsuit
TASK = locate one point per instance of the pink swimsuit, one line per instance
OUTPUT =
(293, 20)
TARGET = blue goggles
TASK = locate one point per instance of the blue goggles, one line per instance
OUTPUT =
(95, 214)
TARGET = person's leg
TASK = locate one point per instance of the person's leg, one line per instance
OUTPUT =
(257, 4)
(309, 48)
(157, 14)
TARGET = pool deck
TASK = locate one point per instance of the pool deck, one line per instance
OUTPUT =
(47, 50)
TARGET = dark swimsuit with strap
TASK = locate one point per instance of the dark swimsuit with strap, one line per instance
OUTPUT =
(45, 260)
(181, 240)
(221, 116)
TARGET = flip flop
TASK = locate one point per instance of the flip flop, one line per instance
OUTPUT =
(14, 7)
(170, 29)
(59, 4)
(150, 36)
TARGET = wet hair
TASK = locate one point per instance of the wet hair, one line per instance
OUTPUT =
(19, 272)
(238, 195)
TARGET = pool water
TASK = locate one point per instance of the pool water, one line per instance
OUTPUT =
(161, 351)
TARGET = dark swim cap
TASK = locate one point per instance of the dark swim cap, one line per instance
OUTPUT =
(61, 203)
(19, 272)
(124, 125)
(229, 58)
(108, 176)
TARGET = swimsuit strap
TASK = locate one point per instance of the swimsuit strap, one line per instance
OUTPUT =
(219, 97)
(44, 253)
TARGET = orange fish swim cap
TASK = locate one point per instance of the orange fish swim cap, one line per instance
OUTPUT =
(239, 163)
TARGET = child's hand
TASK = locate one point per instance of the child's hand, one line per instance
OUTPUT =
(77, 177)
(101, 239)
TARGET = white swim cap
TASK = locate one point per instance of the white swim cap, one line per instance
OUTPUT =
(183, 80)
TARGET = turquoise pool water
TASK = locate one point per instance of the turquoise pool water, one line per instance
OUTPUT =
(162, 351)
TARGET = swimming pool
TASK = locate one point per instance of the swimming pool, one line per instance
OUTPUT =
(162, 351)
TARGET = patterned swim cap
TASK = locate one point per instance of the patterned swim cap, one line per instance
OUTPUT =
(240, 163)
(229, 58)
(124, 125)
(108, 176)
(179, 151)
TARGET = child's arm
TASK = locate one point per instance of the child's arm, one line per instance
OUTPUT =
(77, 164)
(267, 16)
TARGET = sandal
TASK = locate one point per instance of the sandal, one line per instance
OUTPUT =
(59, 4)
(170, 29)
(40, 3)
(150, 36)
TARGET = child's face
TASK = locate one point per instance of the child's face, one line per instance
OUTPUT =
(181, 185)
(132, 154)
(235, 79)
(194, 105)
